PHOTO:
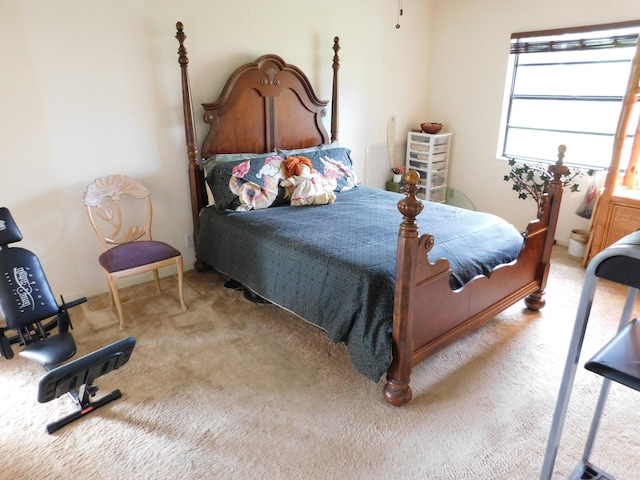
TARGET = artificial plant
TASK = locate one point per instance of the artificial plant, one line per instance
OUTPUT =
(530, 179)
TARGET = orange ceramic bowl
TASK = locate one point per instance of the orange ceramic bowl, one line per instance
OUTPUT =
(431, 127)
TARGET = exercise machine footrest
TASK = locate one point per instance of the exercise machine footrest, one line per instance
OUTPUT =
(81, 412)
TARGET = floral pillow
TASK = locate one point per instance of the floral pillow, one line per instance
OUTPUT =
(254, 183)
(335, 163)
(210, 162)
(304, 151)
(249, 184)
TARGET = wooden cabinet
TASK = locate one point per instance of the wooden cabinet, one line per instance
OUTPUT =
(429, 156)
(624, 215)
(617, 211)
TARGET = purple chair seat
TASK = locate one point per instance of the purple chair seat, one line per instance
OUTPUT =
(135, 254)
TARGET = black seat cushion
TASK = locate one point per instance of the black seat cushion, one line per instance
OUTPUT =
(52, 350)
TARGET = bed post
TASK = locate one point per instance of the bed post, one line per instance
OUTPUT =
(198, 193)
(397, 390)
(535, 301)
(334, 96)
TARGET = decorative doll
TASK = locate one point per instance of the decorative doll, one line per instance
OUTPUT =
(308, 186)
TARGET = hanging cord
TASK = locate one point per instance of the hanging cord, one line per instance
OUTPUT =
(399, 13)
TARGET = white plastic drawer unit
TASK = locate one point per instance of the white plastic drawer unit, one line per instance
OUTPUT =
(438, 179)
(437, 166)
(437, 139)
(438, 194)
(413, 164)
(429, 156)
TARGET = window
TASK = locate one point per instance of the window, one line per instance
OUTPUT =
(566, 87)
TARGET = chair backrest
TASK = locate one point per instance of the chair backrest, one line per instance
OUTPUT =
(104, 198)
(25, 294)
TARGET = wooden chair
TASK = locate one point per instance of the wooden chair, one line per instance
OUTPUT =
(128, 247)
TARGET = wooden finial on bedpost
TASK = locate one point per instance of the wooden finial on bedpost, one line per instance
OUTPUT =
(559, 169)
(410, 206)
(334, 96)
(198, 194)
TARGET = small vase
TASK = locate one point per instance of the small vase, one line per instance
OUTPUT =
(397, 177)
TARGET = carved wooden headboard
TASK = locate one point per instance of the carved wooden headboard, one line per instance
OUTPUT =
(264, 105)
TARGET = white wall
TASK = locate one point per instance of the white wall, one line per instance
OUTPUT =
(89, 89)
(467, 70)
(93, 88)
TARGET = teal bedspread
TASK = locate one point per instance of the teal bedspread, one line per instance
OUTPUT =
(334, 265)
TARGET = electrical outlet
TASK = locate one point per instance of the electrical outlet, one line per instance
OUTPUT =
(188, 239)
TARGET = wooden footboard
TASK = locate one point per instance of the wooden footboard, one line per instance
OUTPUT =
(422, 326)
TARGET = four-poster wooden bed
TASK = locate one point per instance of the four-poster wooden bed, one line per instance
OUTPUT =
(410, 307)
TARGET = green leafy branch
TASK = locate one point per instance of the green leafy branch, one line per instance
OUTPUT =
(530, 179)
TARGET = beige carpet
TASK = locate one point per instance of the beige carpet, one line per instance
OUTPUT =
(233, 390)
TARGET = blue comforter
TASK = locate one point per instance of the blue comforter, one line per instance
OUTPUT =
(334, 265)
